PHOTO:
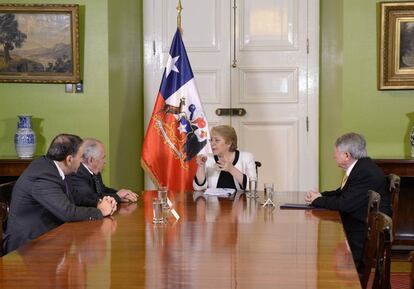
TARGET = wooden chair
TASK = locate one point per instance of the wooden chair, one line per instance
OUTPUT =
(370, 245)
(5, 198)
(3, 214)
(383, 255)
(394, 189)
(5, 193)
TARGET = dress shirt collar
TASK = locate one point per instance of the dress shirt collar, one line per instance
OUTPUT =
(348, 171)
(61, 173)
(87, 168)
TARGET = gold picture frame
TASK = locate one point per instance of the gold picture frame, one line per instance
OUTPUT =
(39, 43)
(396, 52)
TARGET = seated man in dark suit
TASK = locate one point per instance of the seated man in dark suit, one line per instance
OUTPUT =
(351, 199)
(42, 199)
(88, 180)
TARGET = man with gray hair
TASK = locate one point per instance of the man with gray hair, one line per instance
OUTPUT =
(88, 180)
(351, 198)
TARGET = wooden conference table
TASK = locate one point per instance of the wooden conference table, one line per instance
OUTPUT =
(216, 243)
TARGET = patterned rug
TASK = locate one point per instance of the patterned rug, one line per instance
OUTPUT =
(399, 280)
(399, 275)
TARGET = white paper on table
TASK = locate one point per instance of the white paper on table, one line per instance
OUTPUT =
(175, 214)
(219, 192)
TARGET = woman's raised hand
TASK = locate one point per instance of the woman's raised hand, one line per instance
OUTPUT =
(201, 160)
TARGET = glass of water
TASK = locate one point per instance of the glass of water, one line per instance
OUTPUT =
(157, 211)
(163, 195)
(252, 188)
(268, 191)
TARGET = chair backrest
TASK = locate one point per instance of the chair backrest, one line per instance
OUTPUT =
(5, 198)
(394, 189)
(5, 193)
(374, 200)
(383, 255)
(370, 245)
(3, 214)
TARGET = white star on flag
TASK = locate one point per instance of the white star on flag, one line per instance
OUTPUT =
(171, 65)
(182, 128)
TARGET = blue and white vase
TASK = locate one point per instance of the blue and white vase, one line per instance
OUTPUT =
(25, 138)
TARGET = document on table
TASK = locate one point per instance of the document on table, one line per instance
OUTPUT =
(219, 192)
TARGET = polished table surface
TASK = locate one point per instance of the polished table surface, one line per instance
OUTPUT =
(216, 243)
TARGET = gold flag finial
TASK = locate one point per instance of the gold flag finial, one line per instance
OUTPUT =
(179, 8)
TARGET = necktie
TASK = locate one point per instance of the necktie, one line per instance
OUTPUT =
(98, 186)
(344, 179)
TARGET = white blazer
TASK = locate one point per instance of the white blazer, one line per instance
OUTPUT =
(245, 164)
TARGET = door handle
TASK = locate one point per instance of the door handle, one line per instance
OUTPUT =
(230, 111)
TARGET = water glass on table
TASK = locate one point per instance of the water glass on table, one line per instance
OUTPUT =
(163, 196)
(268, 191)
(252, 188)
(157, 211)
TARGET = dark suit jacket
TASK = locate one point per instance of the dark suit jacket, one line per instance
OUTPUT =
(352, 201)
(86, 192)
(40, 202)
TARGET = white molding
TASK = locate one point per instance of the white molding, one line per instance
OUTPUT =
(294, 86)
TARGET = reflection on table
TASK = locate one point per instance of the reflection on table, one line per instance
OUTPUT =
(59, 259)
(216, 243)
(233, 243)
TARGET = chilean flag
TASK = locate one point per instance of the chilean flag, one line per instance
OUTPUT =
(178, 128)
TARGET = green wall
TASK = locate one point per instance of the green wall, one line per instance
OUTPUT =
(125, 92)
(88, 114)
(331, 95)
(349, 99)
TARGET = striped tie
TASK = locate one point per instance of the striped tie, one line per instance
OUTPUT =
(344, 179)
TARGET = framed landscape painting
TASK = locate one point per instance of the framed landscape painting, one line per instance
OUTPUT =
(396, 52)
(39, 43)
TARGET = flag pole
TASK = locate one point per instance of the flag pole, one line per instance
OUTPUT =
(179, 8)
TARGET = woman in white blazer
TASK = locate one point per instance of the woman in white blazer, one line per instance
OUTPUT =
(227, 167)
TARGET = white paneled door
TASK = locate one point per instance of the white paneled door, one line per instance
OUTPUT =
(258, 58)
